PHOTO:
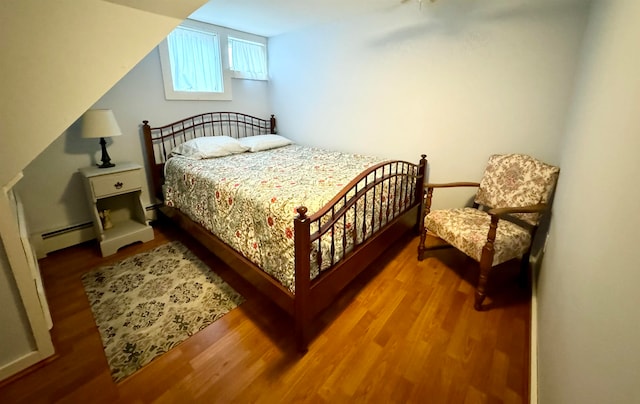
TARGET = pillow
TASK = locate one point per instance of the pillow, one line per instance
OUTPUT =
(264, 142)
(209, 147)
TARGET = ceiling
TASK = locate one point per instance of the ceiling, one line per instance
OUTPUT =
(274, 17)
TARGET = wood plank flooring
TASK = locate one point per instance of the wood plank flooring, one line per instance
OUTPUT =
(403, 332)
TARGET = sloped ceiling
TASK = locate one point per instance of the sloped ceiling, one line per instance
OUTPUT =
(170, 8)
(59, 57)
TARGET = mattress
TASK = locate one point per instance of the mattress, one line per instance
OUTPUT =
(249, 200)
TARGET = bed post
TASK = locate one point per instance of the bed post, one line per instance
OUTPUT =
(302, 312)
(422, 179)
(272, 125)
(151, 159)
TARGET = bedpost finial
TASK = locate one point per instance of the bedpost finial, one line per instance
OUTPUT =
(302, 212)
(424, 156)
(145, 122)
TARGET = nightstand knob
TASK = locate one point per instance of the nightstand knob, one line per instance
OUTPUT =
(118, 185)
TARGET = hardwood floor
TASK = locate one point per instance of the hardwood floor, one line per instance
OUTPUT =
(404, 332)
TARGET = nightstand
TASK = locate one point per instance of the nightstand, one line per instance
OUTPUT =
(115, 193)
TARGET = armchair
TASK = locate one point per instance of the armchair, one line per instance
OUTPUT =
(513, 195)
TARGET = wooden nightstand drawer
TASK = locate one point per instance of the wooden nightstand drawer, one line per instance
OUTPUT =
(117, 183)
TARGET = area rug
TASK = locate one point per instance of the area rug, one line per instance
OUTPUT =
(149, 303)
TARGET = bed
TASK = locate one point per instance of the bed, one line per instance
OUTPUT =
(299, 223)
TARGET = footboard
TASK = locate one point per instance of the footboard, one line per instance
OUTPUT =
(344, 237)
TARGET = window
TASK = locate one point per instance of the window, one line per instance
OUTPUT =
(247, 59)
(194, 68)
(195, 61)
(192, 65)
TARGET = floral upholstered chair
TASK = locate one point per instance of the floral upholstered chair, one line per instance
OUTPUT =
(514, 193)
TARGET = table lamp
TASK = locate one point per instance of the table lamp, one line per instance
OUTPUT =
(100, 123)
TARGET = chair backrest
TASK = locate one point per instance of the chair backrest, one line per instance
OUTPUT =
(516, 180)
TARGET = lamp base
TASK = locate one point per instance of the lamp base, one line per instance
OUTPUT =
(106, 160)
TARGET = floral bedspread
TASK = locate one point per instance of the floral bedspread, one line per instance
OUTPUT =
(249, 200)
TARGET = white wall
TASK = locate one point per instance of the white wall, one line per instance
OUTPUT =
(52, 189)
(457, 80)
(588, 286)
(15, 340)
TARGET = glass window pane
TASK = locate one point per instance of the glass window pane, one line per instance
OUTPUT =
(195, 61)
(248, 57)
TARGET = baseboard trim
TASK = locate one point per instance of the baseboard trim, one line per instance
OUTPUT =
(533, 340)
(15, 369)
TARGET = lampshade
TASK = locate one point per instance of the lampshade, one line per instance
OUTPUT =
(99, 123)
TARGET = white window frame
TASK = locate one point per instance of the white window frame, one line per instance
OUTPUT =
(222, 34)
(243, 36)
(165, 62)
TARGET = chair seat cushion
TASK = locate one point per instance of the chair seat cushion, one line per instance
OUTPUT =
(467, 229)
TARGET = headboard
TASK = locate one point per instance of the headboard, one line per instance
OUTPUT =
(161, 140)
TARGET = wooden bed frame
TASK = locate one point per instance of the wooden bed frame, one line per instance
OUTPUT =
(311, 296)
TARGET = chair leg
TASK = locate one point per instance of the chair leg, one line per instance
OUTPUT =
(482, 286)
(523, 276)
(486, 262)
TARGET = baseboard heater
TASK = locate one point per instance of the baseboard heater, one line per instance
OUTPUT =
(47, 242)
(54, 240)
(69, 229)
(153, 210)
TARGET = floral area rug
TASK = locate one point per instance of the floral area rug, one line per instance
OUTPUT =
(149, 303)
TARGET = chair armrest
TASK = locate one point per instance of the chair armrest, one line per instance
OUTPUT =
(452, 184)
(429, 187)
(524, 209)
(495, 214)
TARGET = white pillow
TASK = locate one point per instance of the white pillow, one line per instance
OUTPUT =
(209, 147)
(264, 142)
